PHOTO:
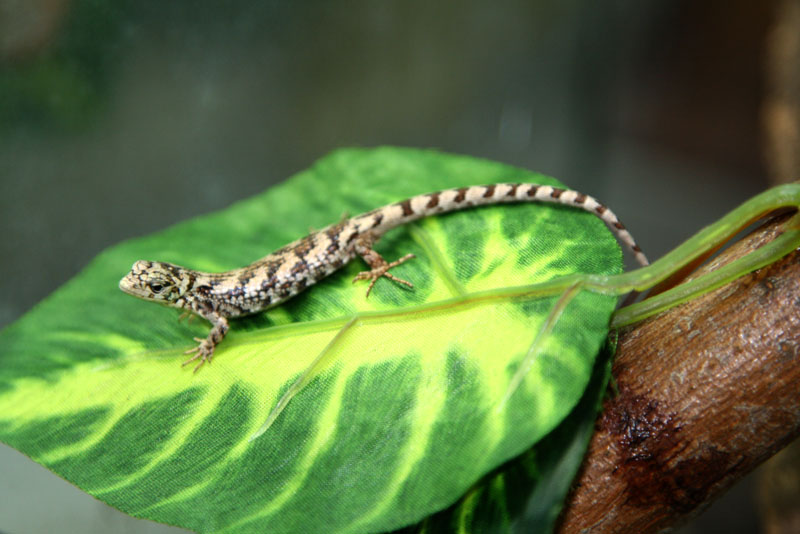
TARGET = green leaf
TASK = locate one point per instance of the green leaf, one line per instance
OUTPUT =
(407, 406)
(526, 494)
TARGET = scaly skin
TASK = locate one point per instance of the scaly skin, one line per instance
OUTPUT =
(298, 265)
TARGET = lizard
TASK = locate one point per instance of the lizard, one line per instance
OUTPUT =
(289, 270)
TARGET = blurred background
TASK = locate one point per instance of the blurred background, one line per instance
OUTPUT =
(118, 118)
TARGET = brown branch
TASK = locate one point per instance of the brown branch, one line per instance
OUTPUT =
(707, 391)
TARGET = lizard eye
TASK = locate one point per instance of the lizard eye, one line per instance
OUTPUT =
(156, 287)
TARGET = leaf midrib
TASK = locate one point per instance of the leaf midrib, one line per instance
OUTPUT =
(524, 292)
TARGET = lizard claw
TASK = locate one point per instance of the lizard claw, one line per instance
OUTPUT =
(382, 270)
(203, 351)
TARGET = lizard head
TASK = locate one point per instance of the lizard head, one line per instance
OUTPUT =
(156, 281)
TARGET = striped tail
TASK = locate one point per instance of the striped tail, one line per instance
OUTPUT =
(384, 219)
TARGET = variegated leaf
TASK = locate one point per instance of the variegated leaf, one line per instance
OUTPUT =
(408, 406)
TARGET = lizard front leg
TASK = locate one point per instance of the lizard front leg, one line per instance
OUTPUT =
(379, 266)
(205, 348)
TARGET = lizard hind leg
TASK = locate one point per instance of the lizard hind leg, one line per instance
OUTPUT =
(379, 267)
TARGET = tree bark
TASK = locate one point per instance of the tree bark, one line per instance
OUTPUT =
(707, 391)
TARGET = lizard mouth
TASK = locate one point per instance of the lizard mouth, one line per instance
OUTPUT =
(133, 282)
(128, 285)
(153, 281)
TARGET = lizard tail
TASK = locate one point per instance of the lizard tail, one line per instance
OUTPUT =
(384, 219)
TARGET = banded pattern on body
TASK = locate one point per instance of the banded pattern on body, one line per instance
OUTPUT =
(384, 219)
(302, 263)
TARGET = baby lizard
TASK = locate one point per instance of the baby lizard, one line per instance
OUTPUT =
(289, 270)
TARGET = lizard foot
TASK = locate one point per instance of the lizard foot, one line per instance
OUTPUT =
(204, 351)
(380, 268)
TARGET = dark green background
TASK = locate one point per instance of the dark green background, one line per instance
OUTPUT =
(129, 116)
